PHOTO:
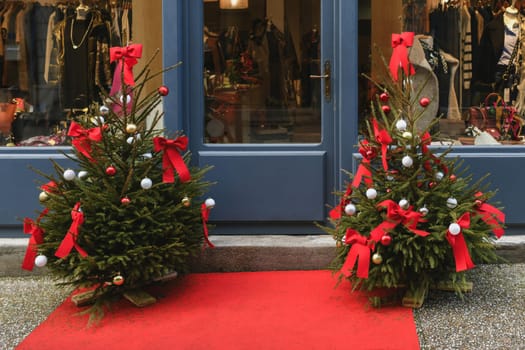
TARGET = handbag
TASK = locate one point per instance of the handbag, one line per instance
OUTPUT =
(7, 115)
(488, 116)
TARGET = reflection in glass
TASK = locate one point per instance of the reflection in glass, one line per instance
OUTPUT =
(258, 64)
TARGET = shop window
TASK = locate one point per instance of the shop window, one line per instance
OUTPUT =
(54, 64)
(468, 57)
(261, 71)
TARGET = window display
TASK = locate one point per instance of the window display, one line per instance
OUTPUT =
(468, 57)
(54, 63)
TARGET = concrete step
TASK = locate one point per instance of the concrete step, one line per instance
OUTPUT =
(253, 253)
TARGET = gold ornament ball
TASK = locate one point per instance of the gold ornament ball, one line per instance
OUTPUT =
(186, 201)
(43, 196)
(131, 128)
(377, 258)
(118, 280)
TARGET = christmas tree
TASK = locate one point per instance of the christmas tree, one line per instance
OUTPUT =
(131, 211)
(410, 219)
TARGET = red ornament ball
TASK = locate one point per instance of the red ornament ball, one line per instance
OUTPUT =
(386, 109)
(432, 184)
(125, 201)
(478, 202)
(110, 170)
(453, 178)
(384, 97)
(425, 101)
(163, 90)
(386, 240)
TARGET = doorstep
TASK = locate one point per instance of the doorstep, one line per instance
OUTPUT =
(252, 253)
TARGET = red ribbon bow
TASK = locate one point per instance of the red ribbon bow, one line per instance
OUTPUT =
(400, 44)
(492, 216)
(426, 140)
(205, 213)
(70, 240)
(84, 138)
(360, 249)
(459, 246)
(128, 57)
(171, 158)
(383, 137)
(368, 154)
(51, 186)
(395, 216)
(37, 237)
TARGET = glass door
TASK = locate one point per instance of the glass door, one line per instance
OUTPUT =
(260, 108)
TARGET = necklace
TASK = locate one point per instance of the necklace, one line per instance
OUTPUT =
(75, 46)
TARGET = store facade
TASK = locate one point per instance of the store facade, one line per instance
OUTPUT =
(270, 94)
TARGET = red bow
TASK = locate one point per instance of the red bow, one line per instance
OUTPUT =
(205, 212)
(361, 248)
(172, 159)
(384, 139)
(368, 154)
(128, 57)
(492, 216)
(37, 237)
(70, 240)
(400, 44)
(459, 246)
(397, 215)
(49, 187)
(426, 139)
(84, 138)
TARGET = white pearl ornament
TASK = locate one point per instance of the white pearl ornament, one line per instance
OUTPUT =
(69, 175)
(146, 183)
(403, 203)
(209, 203)
(350, 209)
(401, 125)
(41, 261)
(452, 203)
(407, 161)
(82, 174)
(454, 229)
(371, 193)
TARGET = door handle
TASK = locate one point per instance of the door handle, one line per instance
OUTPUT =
(327, 76)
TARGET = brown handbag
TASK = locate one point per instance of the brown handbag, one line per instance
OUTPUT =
(7, 115)
(488, 116)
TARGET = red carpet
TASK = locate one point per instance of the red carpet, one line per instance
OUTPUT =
(250, 310)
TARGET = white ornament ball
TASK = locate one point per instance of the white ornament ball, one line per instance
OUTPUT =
(104, 110)
(209, 203)
(137, 137)
(403, 203)
(452, 203)
(371, 193)
(69, 175)
(390, 178)
(146, 183)
(82, 174)
(147, 155)
(401, 125)
(454, 229)
(423, 211)
(439, 176)
(41, 260)
(350, 209)
(407, 161)
(130, 140)
(407, 135)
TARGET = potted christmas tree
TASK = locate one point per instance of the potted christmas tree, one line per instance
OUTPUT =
(410, 219)
(131, 210)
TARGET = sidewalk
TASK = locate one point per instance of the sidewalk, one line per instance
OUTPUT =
(253, 253)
